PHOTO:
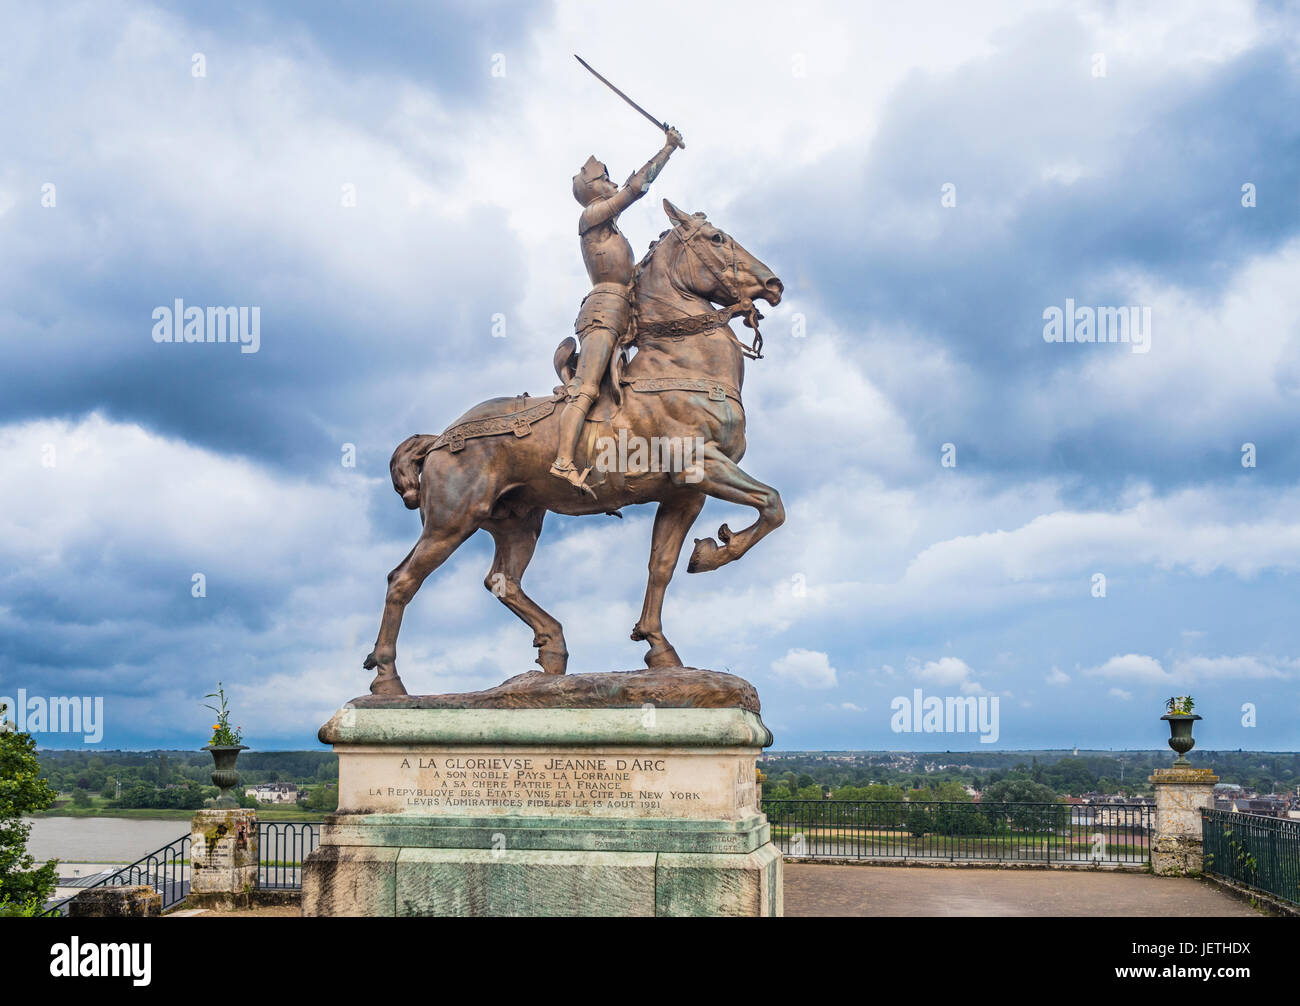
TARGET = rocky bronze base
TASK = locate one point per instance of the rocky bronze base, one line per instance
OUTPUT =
(587, 810)
(663, 687)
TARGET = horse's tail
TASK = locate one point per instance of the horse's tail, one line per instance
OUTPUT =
(405, 467)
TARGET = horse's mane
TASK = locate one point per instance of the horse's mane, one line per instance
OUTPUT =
(649, 252)
(654, 246)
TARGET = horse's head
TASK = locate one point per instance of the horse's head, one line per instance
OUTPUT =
(713, 265)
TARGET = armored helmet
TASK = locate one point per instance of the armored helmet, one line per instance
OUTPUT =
(584, 181)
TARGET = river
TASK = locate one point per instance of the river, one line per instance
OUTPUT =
(100, 839)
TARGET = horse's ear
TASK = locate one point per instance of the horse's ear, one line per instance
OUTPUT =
(674, 214)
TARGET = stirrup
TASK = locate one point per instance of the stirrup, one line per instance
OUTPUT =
(571, 475)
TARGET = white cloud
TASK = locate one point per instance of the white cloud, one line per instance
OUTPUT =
(1056, 676)
(1131, 667)
(1119, 693)
(1141, 669)
(1220, 360)
(1235, 668)
(294, 576)
(806, 668)
(980, 546)
(949, 672)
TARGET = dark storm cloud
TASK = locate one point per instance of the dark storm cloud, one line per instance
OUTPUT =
(1067, 186)
(324, 345)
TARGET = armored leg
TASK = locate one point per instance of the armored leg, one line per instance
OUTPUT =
(597, 344)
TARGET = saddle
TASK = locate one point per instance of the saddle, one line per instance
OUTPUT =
(495, 417)
(610, 401)
(499, 416)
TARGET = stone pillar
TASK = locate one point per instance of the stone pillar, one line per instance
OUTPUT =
(113, 902)
(223, 859)
(1181, 794)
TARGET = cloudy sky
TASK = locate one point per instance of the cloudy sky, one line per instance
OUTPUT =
(928, 180)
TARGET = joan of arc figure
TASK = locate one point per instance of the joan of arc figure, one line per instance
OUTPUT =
(606, 310)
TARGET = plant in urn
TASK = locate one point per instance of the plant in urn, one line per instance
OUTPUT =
(225, 745)
(1180, 716)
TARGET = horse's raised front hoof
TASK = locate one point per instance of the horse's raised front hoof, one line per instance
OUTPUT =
(387, 684)
(707, 556)
(553, 661)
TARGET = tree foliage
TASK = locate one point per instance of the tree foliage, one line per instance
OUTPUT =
(22, 791)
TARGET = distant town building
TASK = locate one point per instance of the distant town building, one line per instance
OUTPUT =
(1267, 806)
(273, 792)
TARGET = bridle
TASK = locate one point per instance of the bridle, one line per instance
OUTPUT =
(719, 317)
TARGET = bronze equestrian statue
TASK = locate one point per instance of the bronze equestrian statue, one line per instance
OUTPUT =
(493, 467)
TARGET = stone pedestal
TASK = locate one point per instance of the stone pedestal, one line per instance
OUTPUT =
(545, 812)
(223, 859)
(1181, 794)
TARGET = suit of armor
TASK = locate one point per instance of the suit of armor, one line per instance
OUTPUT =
(606, 311)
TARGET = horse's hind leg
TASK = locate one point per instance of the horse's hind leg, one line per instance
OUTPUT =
(515, 538)
(672, 521)
(431, 551)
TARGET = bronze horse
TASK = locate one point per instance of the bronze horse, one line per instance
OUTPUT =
(684, 382)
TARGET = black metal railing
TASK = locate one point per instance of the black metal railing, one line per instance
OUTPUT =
(166, 870)
(1253, 850)
(996, 832)
(282, 846)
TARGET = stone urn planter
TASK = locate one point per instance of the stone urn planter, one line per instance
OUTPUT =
(224, 776)
(1180, 735)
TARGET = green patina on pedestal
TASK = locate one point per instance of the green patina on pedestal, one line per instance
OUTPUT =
(402, 846)
(565, 834)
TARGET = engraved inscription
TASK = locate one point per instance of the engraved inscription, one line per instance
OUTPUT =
(539, 783)
(617, 784)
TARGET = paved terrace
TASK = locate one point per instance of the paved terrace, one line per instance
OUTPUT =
(816, 889)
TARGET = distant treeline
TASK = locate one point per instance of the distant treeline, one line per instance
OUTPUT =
(806, 774)
(176, 779)
(801, 773)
